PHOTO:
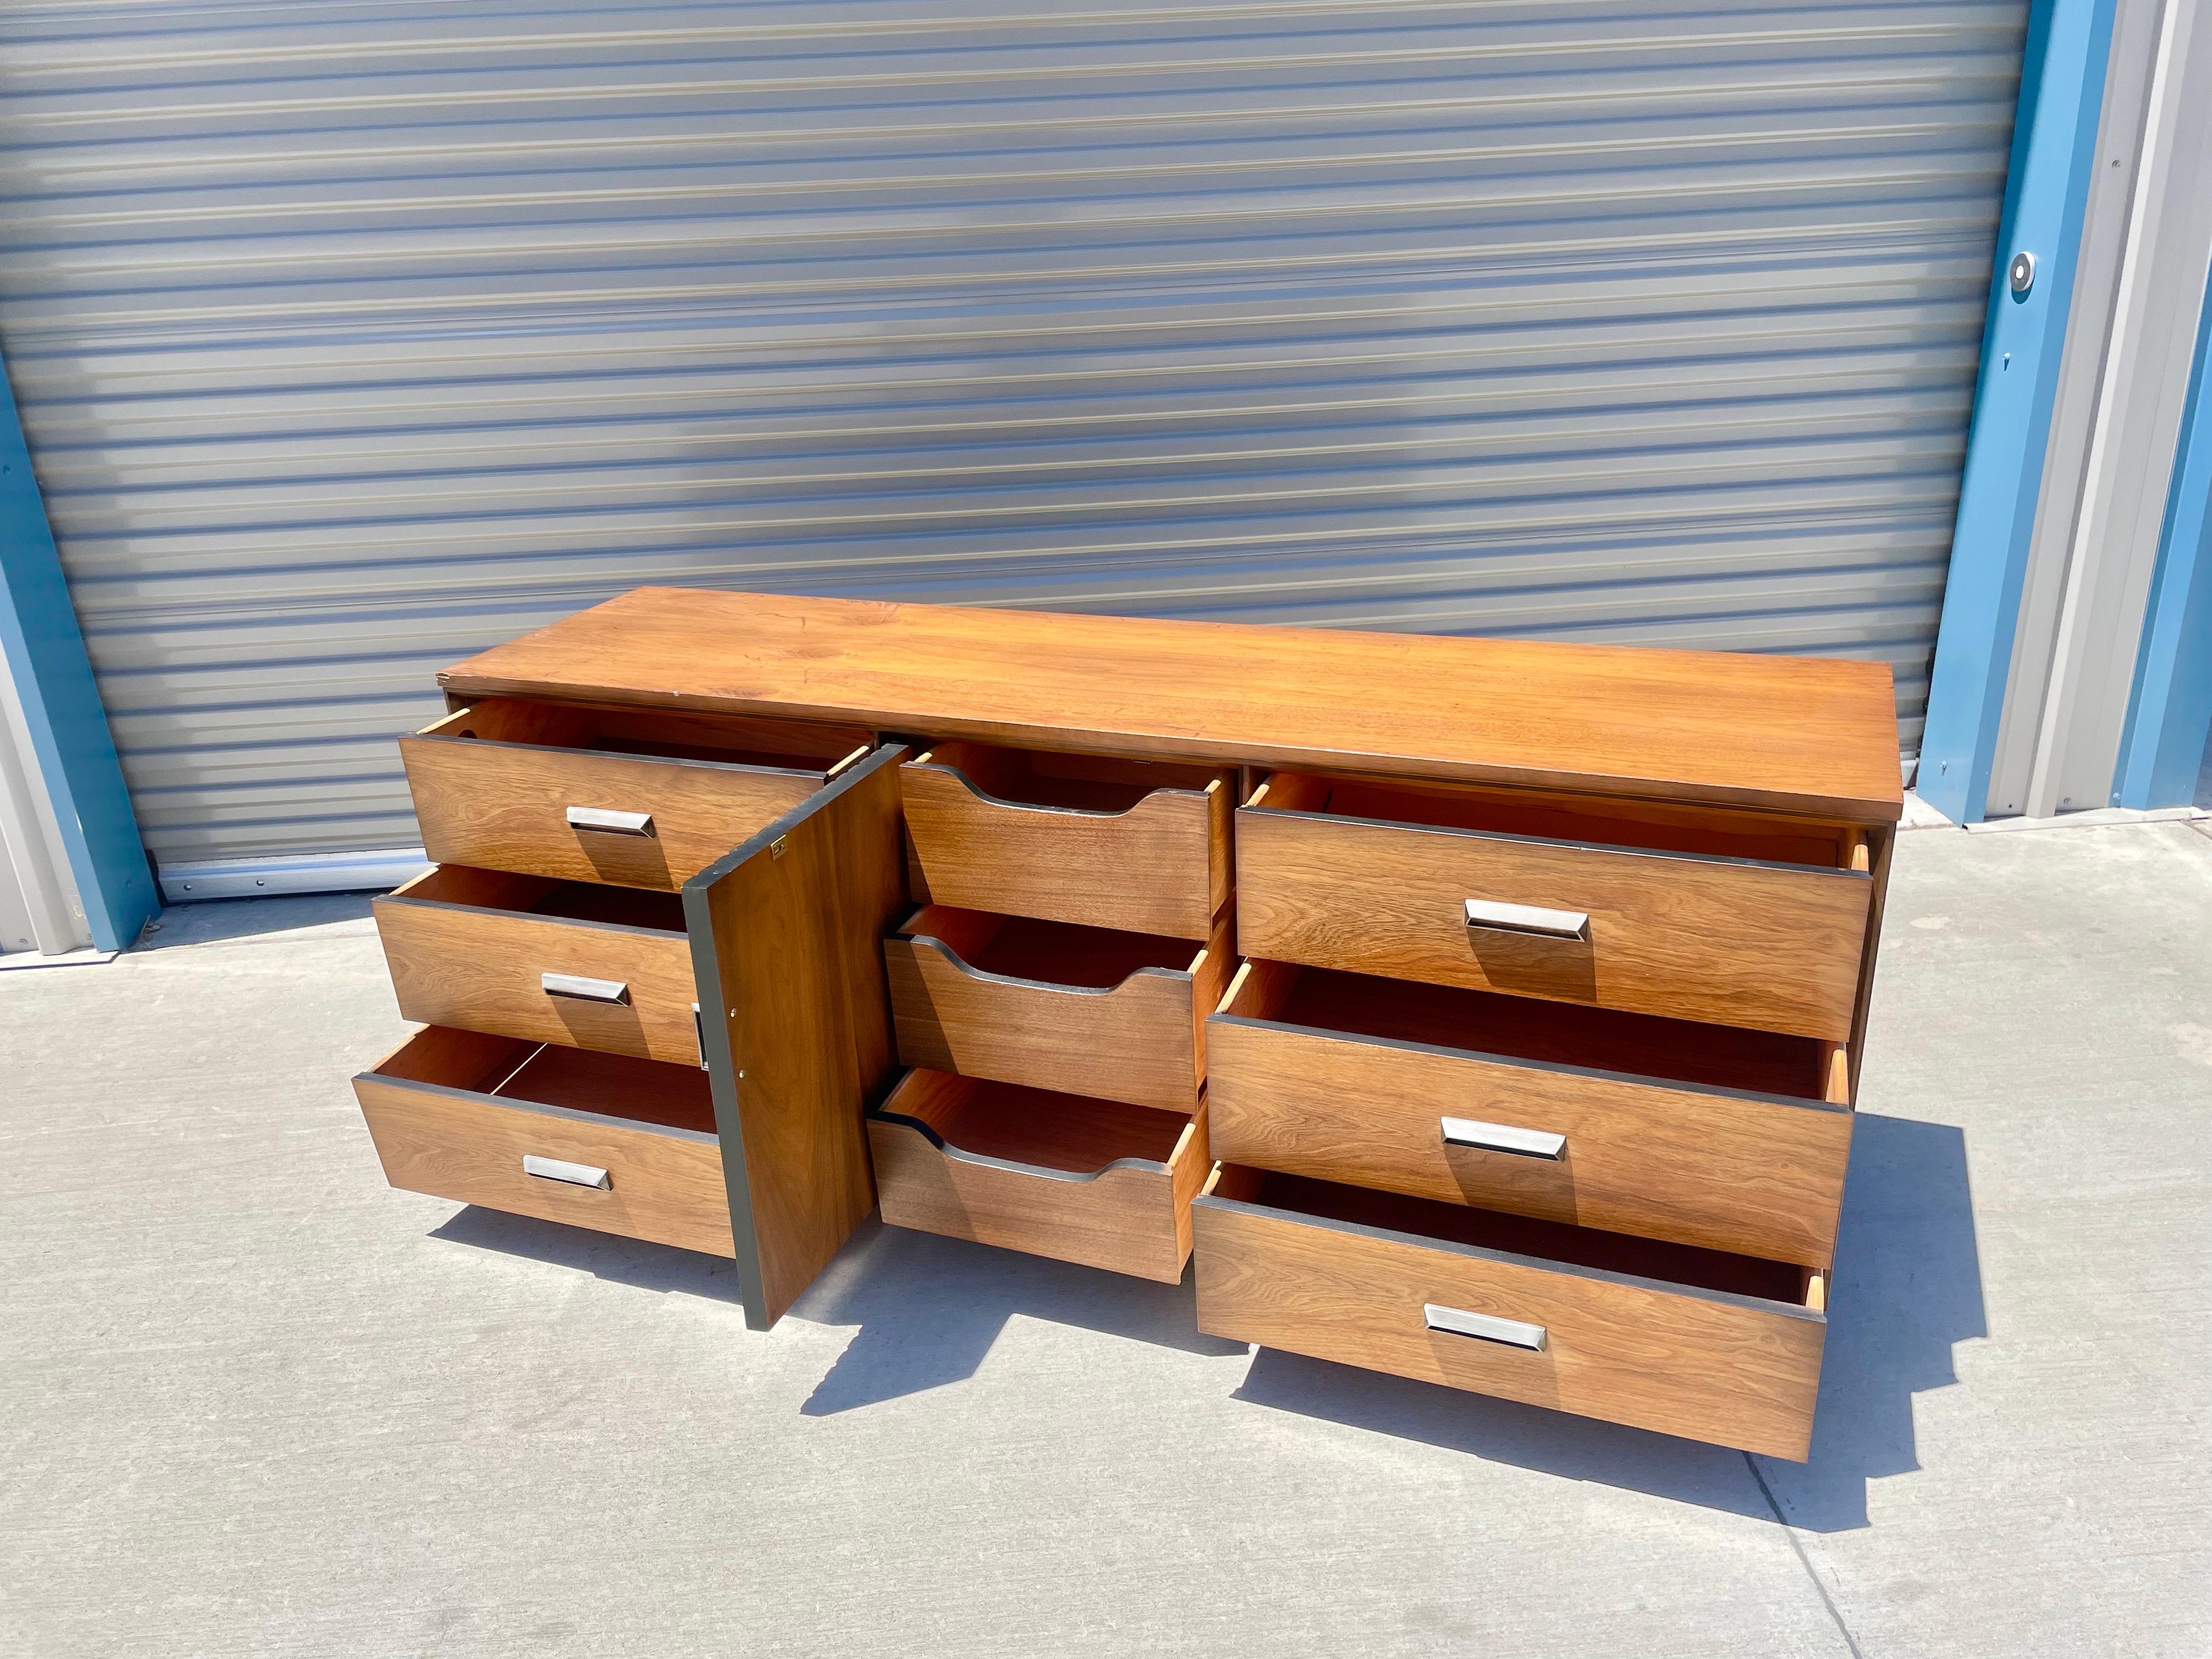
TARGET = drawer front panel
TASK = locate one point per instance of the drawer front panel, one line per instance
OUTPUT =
(664, 1186)
(1134, 1042)
(506, 807)
(1731, 944)
(1132, 1215)
(1731, 1371)
(485, 970)
(1159, 868)
(1754, 1176)
(1141, 1040)
(1125, 1220)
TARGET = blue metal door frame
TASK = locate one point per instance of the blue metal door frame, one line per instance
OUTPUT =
(2062, 92)
(44, 651)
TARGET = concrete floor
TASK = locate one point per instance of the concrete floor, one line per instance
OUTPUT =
(253, 1402)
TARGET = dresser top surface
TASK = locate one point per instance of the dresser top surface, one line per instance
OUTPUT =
(1786, 733)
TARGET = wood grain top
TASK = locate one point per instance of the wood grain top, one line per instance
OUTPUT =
(1782, 734)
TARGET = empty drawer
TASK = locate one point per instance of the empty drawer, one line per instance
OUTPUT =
(1080, 1010)
(599, 1140)
(1706, 1134)
(1097, 1181)
(638, 798)
(574, 963)
(1139, 846)
(1683, 912)
(1698, 1343)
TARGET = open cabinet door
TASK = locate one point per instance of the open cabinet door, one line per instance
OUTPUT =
(787, 944)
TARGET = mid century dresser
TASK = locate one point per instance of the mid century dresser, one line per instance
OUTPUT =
(1482, 1011)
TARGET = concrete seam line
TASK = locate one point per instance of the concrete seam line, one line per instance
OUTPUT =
(1803, 1559)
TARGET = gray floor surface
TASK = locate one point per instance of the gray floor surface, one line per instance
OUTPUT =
(252, 1401)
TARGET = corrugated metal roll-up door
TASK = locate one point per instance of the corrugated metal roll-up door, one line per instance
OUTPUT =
(350, 338)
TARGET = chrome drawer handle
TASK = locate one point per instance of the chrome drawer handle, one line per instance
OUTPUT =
(1487, 1327)
(1504, 1138)
(612, 991)
(576, 1175)
(609, 822)
(1528, 918)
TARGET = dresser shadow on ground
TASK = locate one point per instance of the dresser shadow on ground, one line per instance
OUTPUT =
(605, 1255)
(1908, 1286)
(929, 1308)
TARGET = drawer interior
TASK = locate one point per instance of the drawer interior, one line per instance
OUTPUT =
(1524, 1027)
(729, 740)
(543, 896)
(620, 907)
(1082, 783)
(1687, 1265)
(1647, 826)
(549, 1074)
(1049, 952)
(1079, 1134)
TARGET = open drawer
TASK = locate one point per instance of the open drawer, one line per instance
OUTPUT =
(641, 798)
(1139, 846)
(1706, 1134)
(574, 963)
(597, 1140)
(1080, 1010)
(1690, 912)
(1698, 1343)
(1101, 1182)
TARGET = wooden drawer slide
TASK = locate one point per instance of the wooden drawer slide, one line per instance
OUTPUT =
(1095, 1181)
(1142, 846)
(1077, 1009)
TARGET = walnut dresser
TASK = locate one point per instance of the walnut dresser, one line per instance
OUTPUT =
(1485, 1013)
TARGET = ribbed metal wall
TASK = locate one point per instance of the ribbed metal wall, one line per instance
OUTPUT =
(352, 338)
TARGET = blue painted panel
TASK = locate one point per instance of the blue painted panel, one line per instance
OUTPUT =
(2054, 144)
(2170, 710)
(45, 652)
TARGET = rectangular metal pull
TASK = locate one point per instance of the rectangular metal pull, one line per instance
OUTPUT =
(609, 822)
(1504, 1138)
(1486, 1327)
(1528, 918)
(613, 991)
(576, 1175)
